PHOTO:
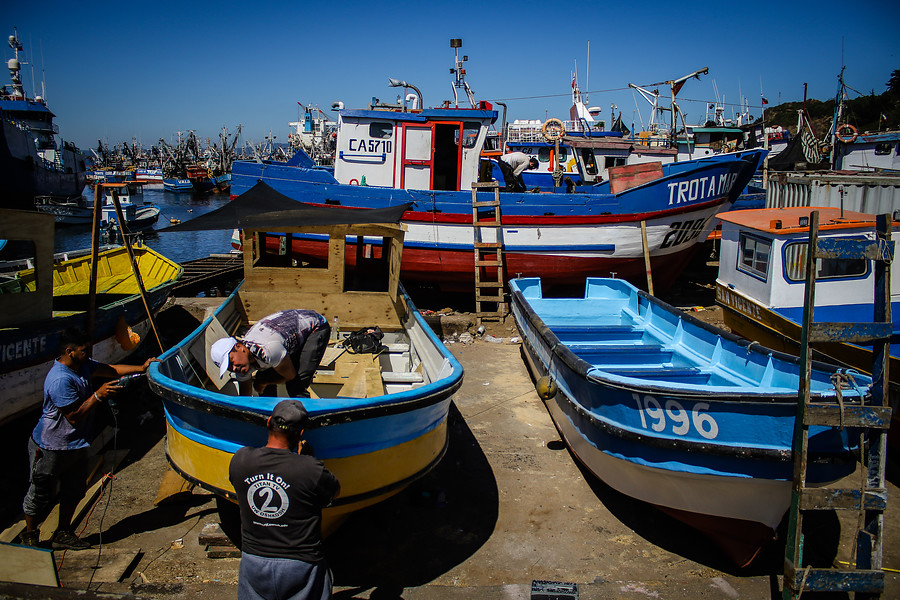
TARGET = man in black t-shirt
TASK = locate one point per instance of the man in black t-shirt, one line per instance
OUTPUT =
(281, 495)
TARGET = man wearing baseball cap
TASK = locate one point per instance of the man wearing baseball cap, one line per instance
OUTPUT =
(285, 347)
(281, 495)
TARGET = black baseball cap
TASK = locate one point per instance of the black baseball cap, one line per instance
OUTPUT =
(289, 415)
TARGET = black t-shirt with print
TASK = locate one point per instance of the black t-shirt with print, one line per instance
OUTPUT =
(281, 495)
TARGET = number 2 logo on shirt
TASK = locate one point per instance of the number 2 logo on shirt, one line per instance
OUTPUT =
(267, 498)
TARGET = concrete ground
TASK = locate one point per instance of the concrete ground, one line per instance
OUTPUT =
(507, 505)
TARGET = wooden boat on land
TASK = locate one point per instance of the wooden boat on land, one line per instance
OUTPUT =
(760, 286)
(379, 421)
(674, 412)
(38, 304)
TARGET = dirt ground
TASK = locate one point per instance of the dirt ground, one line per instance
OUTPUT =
(507, 505)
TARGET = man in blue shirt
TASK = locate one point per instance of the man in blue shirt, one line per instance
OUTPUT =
(58, 448)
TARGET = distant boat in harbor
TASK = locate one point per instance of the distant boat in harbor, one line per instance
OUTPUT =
(33, 162)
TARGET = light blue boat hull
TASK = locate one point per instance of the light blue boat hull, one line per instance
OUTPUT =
(674, 412)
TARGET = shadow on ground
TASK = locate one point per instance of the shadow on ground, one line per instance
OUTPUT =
(423, 532)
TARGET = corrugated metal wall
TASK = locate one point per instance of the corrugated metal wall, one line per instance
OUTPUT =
(873, 194)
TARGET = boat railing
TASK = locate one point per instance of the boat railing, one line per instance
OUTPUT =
(530, 133)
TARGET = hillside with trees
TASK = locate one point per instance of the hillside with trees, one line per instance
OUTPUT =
(868, 113)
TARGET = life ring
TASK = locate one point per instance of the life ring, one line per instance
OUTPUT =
(354, 182)
(847, 139)
(553, 129)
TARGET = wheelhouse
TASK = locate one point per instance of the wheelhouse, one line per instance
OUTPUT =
(434, 149)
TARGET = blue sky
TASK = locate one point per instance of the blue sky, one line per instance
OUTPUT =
(117, 71)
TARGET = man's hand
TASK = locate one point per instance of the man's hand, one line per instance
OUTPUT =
(147, 362)
(108, 390)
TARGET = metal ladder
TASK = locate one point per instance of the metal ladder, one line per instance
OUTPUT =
(870, 499)
(488, 256)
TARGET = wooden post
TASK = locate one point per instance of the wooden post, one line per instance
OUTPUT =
(134, 267)
(647, 257)
(95, 251)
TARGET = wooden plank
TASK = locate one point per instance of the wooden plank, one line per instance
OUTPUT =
(331, 355)
(171, 485)
(374, 383)
(355, 387)
(222, 552)
(831, 415)
(629, 176)
(212, 535)
(853, 333)
(96, 566)
(23, 564)
(843, 499)
(214, 332)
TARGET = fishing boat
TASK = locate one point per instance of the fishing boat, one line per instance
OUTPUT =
(178, 185)
(33, 161)
(392, 155)
(379, 421)
(760, 285)
(39, 303)
(672, 411)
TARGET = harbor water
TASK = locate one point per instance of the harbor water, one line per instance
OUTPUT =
(180, 246)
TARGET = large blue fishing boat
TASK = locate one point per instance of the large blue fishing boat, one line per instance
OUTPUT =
(672, 411)
(32, 161)
(387, 156)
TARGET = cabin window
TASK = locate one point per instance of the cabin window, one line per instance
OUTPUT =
(280, 250)
(369, 269)
(381, 131)
(590, 165)
(826, 268)
(469, 134)
(882, 149)
(754, 258)
(563, 154)
(615, 161)
(544, 154)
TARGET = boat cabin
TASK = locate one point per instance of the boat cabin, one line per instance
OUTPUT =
(432, 149)
(763, 260)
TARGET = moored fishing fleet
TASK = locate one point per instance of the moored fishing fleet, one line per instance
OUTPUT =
(691, 419)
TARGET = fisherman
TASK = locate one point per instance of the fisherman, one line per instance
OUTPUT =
(513, 164)
(281, 494)
(285, 347)
(59, 443)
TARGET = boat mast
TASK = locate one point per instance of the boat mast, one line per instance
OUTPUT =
(460, 73)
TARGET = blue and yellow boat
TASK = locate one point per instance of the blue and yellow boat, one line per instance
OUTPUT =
(379, 421)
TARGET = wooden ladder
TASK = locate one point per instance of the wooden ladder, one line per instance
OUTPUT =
(869, 500)
(488, 257)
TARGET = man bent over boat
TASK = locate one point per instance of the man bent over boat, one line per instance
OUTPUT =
(512, 165)
(281, 494)
(285, 347)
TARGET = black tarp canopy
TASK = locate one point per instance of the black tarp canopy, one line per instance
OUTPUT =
(262, 207)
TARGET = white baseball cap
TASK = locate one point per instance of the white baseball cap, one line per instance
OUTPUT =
(219, 353)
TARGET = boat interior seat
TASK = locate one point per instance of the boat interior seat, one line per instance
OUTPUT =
(680, 374)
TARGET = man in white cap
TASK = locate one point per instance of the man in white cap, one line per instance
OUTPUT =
(285, 347)
(281, 495)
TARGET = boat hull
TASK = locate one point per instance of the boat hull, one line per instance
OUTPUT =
(708, 454)
(561, 237)
(26, 175)
(376, 446)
